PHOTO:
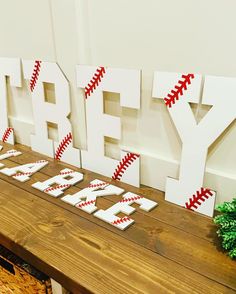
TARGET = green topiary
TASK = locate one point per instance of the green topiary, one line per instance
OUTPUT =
(227, 226)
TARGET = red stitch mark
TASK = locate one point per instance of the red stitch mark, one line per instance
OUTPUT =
(97, 185)
(121, 220)
(66, 173)
(86, 203)
(35, 75)
(62, 146)
(94, 82)
(7, 134)
(131, 199)
(194, 201)
(12, 152)
(175, 93)
(57, 187)
(23, 174)
(123, 165)
(41, 161)
(28, 173)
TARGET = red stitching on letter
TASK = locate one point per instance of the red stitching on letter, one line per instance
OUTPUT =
(28, 173)
(49, 189)
(35, 75)
(66, 173)
(86, 203)
(175, 93)
(12, 152)
(62, 146)
(97, 185)
(23, 174)
(7, 134)
(94, 82)
(130, 199)
(196, 200)
(121, 220)
(123, 165)
(41, 161)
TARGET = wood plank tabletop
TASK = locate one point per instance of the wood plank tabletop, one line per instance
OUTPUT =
(168, 250)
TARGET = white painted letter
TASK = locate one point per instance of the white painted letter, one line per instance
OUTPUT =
(22, 173)
(197, 138)
(62, 182)
(40, 73)
(96, 189)
(8, 154)
(95, 81)
(8, 67)
(110, 215)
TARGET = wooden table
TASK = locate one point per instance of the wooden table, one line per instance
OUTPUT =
(168, 250)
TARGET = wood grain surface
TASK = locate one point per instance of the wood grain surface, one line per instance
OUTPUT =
(168, 250)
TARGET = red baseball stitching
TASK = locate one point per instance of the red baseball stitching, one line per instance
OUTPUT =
(121, 220)
(57, 187)
(130, 199)
(6, 134)
(35, 75)
(23, 174)
(196, 200)
(62, 146)
(94, 82)
(28, 173)
(66, 173)
(97, 185)
(86, 203)
(123, 165)
(41, 161)
(12, 152)
(175, 93)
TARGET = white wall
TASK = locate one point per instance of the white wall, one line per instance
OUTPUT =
(169, 35)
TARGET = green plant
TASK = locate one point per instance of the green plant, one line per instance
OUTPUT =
(227, 226)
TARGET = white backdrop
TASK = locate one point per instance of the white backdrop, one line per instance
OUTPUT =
(180, 36)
